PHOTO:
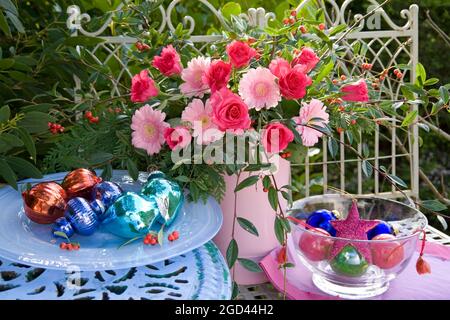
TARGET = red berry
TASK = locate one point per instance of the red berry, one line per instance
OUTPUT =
(69, 247)
(399, 75)
(146, 240)
(153, 241)
(293, 13)
(341, 108)
(266, 190)
(94, 120)
(288, 154)
(75, 246)
(291, 21)
(396, 71)
(49, 125)
(322, 26)
(170, 237)
(303, 29)
(63, 245)
(176, 234)
(339, 130)
(88, 114)
(335, 81)
(353, 121)
(343, 77)
(286, 21)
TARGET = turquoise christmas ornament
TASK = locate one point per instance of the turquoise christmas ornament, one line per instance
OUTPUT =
(349, 262)
(132, 215)
(168, 195)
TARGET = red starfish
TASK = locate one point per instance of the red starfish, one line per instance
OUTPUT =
(353, 228)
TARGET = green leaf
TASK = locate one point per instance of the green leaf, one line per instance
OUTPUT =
(250, 265)
(28, 142)
(74, 162)
(231, 8)
(338, 29)
(5, 113)
(8, 5)
(83, 41)
(279, 230)
(421, 73)
(183, 179)
(161, 235)
(266, 182)
(62, 235)
(247, 226)
(410, 117)
(273, 198)
(132, 169)
(8, 174)
(36, 121)
(235, 291)
(332, 147)
(107, 172)
(232, 253)
(367, 168)
(324, 72)
(100, 157)
(365, 150)
(11, 140)
(443, 93)
(433, 205)
(6, 63)
(397, 180)
(246, 183)
(23, 167)
(15, 21)
(4, 24)
(431, 81)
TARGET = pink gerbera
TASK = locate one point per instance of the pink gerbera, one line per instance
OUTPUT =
(310, 115)
(193, 85)
(148, 129)
(199, 116)
(258, 89)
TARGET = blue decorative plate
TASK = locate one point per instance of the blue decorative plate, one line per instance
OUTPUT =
(24, 241)
(200, 274)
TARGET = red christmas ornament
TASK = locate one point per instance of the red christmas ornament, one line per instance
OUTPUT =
(315, 247)
(386, 255)
(79, 183)
(45, 202)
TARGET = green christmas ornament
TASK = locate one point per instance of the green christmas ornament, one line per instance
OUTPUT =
(349, 262)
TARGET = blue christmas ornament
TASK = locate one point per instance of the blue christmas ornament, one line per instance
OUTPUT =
(168, 195)
(321, 219)
(81, 216)
(107, 192)
(63, 226)
(132, 215)
(381, 228)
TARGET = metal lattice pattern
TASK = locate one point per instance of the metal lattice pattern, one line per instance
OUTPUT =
(384, 44)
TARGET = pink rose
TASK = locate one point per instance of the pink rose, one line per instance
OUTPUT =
(307, 58)
(178, 137)
(240, 53)
(356, 91)
(293, 84)
(229, 111)
(217, 75)
(142, 87)
(279, 67)
(276, 137)
(168, 63)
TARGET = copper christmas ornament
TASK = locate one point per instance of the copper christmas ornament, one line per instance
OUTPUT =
(79, 183)
(45, 202)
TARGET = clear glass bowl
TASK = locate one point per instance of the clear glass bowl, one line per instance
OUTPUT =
(349, 274)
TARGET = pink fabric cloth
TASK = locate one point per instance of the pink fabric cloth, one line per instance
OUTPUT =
(407, 286)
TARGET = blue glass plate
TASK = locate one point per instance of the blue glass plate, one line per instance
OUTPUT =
(24, 241)
(201, 274)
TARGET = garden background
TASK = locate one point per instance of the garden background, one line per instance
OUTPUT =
(38, 61)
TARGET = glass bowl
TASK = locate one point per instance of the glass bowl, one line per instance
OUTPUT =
(350, 274)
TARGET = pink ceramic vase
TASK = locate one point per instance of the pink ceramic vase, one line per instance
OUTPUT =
(252, 204)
